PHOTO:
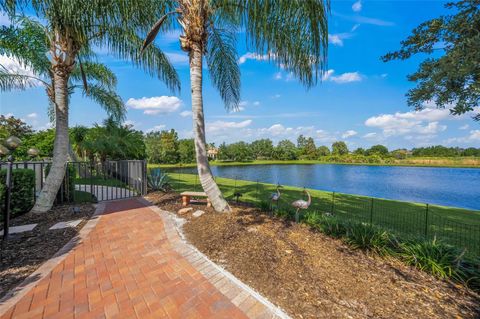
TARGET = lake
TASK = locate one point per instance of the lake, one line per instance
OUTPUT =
(459, 187)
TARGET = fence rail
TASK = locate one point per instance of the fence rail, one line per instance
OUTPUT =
(92, 181)
(455, 226)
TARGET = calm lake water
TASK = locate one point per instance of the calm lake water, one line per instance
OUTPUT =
(459, 187)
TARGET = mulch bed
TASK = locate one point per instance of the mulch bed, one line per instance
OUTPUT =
(25, 252)
(311, 275)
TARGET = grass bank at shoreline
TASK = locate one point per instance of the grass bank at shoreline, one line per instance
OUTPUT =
(453, 162)
(456, 226)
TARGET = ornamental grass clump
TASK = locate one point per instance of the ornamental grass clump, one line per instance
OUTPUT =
(369, 238)
(441, 260)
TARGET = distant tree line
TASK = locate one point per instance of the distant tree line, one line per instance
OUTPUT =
(114, 141)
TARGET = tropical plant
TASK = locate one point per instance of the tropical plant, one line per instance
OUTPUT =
(158, 181)
(292, 33)
(369, 238)
(71, 29)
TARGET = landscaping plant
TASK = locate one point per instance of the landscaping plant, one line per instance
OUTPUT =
(158, 181)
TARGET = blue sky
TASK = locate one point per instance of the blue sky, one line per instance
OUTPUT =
(361, 100)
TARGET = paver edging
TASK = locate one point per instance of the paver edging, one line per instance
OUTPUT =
(243, 297)
(18, 292)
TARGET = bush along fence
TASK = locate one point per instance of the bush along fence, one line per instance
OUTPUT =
(453, 226)
(22, 195)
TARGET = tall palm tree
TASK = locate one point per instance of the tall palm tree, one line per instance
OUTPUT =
(291, 33)
(72, 29)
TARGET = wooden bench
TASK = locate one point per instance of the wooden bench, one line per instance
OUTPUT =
(186, 197)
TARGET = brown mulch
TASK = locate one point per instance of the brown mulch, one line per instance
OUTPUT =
(24, 252)
(311, 275)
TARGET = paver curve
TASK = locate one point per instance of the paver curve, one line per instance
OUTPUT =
(130, 266)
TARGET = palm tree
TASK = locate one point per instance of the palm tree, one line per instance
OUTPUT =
(72, 28)
(291, 33)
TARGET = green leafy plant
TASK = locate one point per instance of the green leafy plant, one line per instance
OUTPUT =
(158, 181)
(22, 195)
(264, 206)
(439, 259)
(368, 237)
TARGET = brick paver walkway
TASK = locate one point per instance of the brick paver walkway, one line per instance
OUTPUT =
(133, 264)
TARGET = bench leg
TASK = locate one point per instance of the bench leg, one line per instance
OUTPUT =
(185, 200)
(209, 203)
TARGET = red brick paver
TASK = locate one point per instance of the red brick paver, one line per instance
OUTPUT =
(127, 267)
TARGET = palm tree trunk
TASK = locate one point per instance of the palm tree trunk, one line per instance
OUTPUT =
(205, 174)
(60, 150)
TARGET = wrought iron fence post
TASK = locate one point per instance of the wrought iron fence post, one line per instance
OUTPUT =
(426, 221)
(371, 211)
(333, 202)
(258, 190)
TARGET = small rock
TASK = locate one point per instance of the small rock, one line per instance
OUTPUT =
(198, 213)
(185, 210)
(288, 251)
(252, 229)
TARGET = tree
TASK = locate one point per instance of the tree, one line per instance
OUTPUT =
(42, 140)
(285, 150)
(323, 151)
(452, 75)
(78, 135)
(293, 34)
(71, 29)
(113, 141)
(310, 149)
(339, 148)
(12, 126)
(186, 150)
(359, 151)
(378, 150)
(162, 147)
(262, 149)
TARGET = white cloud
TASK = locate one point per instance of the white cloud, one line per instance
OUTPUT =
(254, 56)
(277, 76)
(243, 103)
(370, 135)
(335, 39)
(366, 20)
(219, 126)
(155, 105)
(4, 19)
(355, 27)
(420, 122)
(32, 115)
(156, 128)
(349, 133)
(472, 139)
(185, 113)
(177, 58)
(326, 76)
(276, 96)
(14, 66)
(464, 127)
(347, 77)
(256, 103)
(357, 6)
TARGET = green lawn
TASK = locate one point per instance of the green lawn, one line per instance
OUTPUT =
(456, 226)
(413, 161)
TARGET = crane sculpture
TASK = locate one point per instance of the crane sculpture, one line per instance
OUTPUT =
(301, 204)
(275, 197)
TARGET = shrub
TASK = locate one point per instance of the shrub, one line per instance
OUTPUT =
(67, 191)
(439, 259)
(158, 181)
(329, 225)
(264, 206)
(367, 237)
(22, 195)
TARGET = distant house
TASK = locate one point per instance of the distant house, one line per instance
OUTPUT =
(212, 153)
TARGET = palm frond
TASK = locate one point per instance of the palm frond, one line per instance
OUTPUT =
(292, 33)
(126, 45)
(97, 72)
(222, 64)
(108, 99)
(11, 81)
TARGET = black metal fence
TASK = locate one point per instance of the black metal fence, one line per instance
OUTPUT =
(455, 226)
(92, 181)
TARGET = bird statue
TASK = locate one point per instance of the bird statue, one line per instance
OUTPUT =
(275, 197)
(301, 204)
